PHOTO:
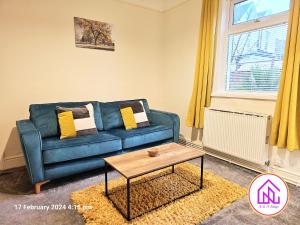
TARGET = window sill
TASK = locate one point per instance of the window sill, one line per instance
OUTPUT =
(240, 95)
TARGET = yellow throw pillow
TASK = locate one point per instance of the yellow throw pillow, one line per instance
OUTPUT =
(128, 118)
(66, 124)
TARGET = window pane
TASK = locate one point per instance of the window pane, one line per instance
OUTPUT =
(254, 60)
(254, 9)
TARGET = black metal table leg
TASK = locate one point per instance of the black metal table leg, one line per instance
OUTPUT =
(201, 176)
(106, 189)
(128, 199)
(173, 169)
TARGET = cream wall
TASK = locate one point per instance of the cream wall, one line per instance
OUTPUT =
(180, 42)
(39, 61)
(181, 25)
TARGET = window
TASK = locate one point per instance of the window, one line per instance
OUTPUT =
(255, 43)
(254, 9)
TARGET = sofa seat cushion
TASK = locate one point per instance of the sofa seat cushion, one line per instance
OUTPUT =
(141, 136)
(56, 150)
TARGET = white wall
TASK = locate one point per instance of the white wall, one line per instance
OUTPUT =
(39, 62)
(180, 42)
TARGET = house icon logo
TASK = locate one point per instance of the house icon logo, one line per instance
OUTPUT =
(268, 194)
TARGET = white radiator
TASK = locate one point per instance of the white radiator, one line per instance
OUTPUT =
(240, 134)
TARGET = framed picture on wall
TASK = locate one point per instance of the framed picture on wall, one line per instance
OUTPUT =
(93, 34)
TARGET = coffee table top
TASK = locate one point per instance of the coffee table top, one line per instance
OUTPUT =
(137, 163)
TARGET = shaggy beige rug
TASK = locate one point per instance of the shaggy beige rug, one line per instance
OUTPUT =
(152, 190)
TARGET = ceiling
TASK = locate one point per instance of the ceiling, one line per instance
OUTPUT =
(159, 5)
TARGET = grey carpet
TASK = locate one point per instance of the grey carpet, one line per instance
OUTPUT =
(15, 181)
(58, 192)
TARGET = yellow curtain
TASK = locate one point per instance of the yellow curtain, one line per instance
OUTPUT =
(204, 64)
(285, 131)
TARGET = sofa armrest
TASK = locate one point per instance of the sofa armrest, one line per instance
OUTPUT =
(168, 119)
(32, 148)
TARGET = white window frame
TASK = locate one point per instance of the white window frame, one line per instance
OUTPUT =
(226, 28)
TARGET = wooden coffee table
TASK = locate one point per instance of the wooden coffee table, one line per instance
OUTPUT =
(138, 163)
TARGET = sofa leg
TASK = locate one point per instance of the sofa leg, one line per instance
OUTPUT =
(37, 186)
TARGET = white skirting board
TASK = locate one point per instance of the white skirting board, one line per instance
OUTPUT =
(13, 162)
(287, 175)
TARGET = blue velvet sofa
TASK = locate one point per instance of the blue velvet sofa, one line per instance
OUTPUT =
(47, 157)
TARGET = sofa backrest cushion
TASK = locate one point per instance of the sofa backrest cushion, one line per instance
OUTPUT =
(111, 115)
(44, 116)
